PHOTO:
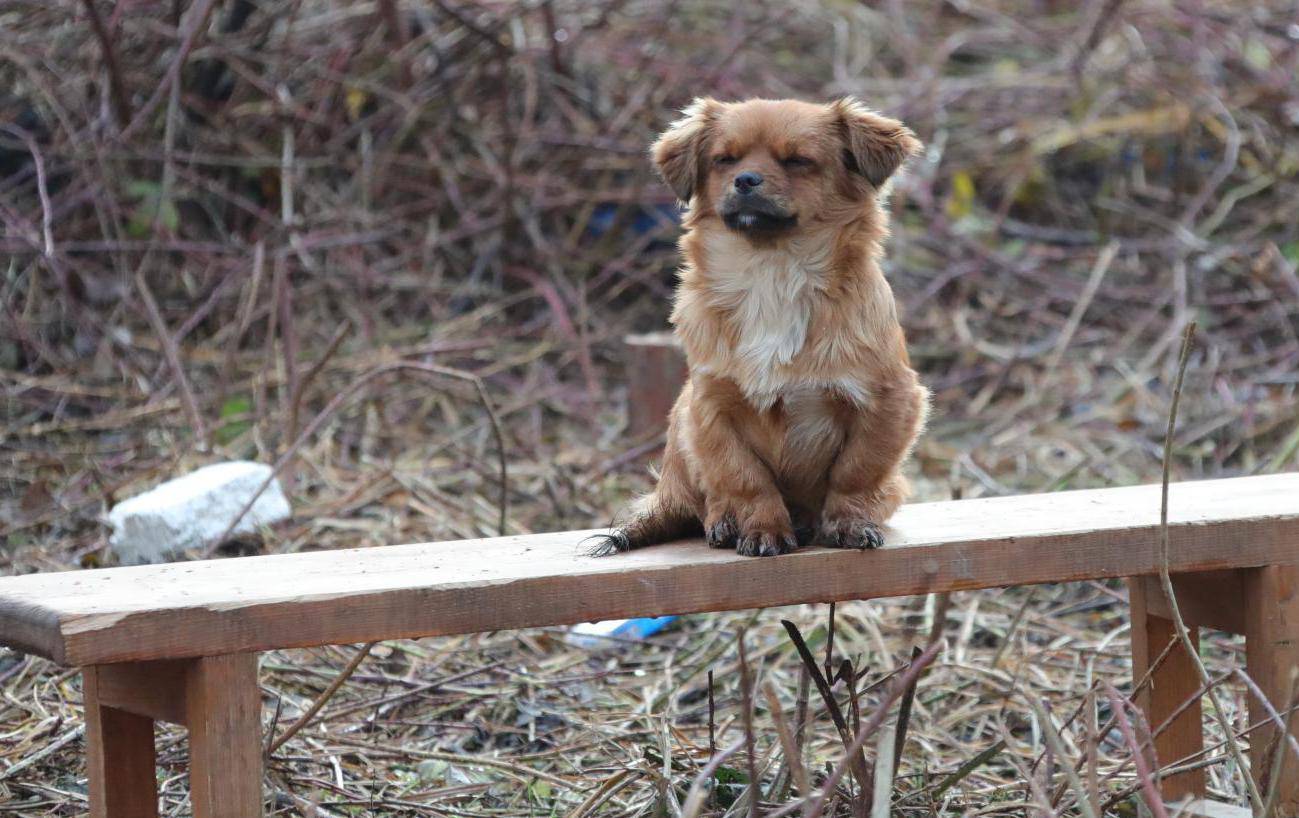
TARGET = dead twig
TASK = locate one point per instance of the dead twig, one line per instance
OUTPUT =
(310, 713)
(198, 16)
(861, 771)
(868, 728)
(116, 85)
(703, 781)
(1145, 775)
(1166, 581)
(350, 392)
(44, 752)
(750, 744)
(793, 757)
(172, 354)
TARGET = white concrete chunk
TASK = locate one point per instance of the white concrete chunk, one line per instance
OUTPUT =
(193, 511)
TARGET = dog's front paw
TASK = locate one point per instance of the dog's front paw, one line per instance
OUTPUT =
(721, 532)
(766, 543)
(858, 533)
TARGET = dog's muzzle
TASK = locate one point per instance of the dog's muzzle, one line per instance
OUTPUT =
(753, 213)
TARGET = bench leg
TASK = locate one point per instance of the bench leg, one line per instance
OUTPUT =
(216, 697)
(1272, 656)
(120, 757)
(1173, 682)
(223, 707)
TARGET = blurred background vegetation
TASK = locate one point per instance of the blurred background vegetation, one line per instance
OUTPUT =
(217, 216)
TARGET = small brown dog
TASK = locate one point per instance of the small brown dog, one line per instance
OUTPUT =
(801, 404)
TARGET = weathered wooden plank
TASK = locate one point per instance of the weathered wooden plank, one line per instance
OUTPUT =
(224, 710)
(259, 603)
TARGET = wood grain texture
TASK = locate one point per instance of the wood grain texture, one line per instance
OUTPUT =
(120, 757)
(1272, 658)
(656, 370)
(1211, 599)
(1173, 682)
(224, 709)
(155, 690)
(259, 603)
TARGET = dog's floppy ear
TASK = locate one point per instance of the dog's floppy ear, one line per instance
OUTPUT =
(875, 146)
(679, 152)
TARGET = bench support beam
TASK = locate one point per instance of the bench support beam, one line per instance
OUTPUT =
(1209, 599)
(216, 697)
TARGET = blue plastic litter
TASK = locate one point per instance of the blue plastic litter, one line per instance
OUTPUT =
(609, 632)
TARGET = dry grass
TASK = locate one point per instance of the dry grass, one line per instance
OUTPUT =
(320, 189)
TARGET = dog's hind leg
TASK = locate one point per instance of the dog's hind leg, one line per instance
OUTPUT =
(674, 510)
(654, 522)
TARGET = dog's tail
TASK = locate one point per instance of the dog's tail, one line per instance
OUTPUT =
(654, 522)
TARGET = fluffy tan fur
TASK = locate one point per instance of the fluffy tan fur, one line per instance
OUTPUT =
(801, 404)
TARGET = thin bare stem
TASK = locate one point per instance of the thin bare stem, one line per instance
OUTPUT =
(172, 354)
(867, 730)
(1057, 746)
(116, 85)
(1166, 580)
(750, 744)
(1144, 773)
(321, 700)
(703, 782)
(351, 391)
(793, 758)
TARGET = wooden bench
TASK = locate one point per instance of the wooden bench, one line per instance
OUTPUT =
(179, 642)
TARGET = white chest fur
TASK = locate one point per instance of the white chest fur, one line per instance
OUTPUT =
(770, 294)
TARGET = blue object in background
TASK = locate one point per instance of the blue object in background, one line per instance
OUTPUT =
(609, 632)
(648, 218)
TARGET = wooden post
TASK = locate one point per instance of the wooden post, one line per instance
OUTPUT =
(223, 709)
(1272, 658)
(656, 368)
(119, 757)
(1171, 684)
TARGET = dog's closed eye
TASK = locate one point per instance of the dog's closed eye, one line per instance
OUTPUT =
(797, 161)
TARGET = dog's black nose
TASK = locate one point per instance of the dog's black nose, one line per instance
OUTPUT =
(747, 181)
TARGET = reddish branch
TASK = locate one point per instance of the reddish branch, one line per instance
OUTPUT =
(116, 85)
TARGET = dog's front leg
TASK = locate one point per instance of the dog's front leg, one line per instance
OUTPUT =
(866, 485)
(743, 507)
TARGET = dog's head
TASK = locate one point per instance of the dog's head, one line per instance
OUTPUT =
(765, 167)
